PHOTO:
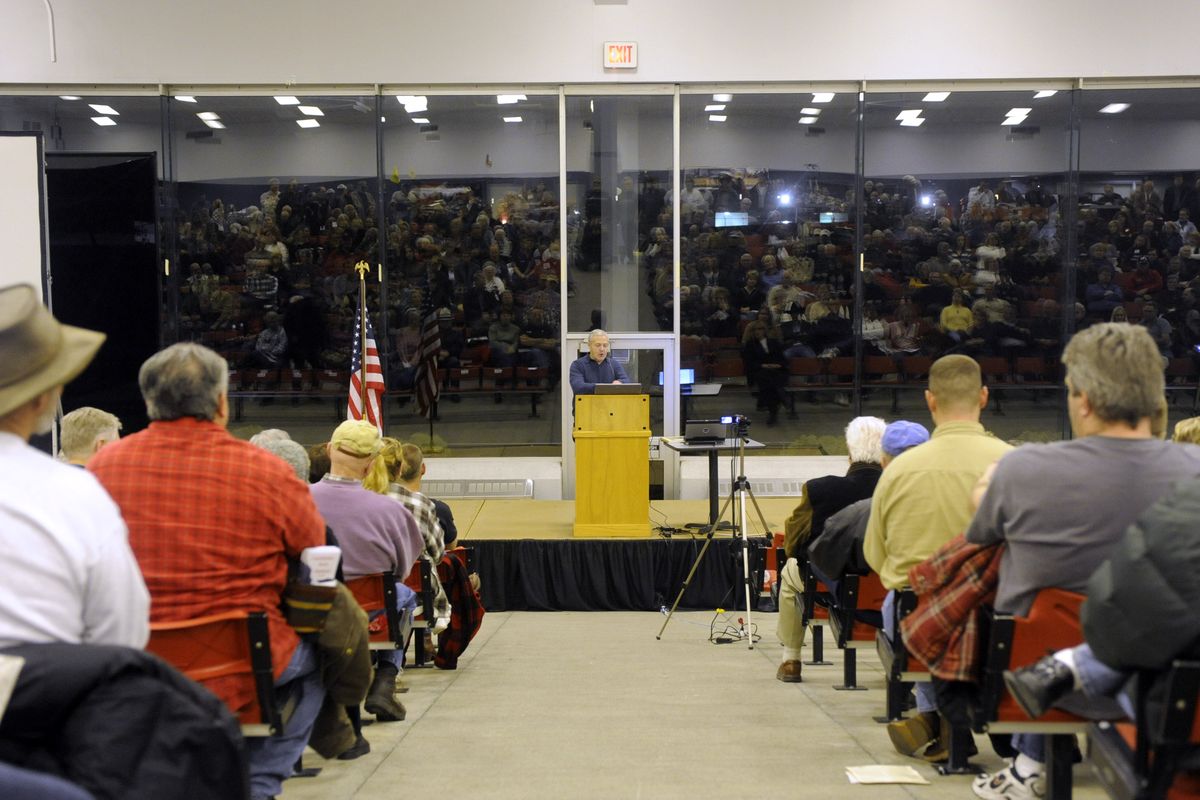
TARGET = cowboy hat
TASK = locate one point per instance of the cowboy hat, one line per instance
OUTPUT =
(37, 352)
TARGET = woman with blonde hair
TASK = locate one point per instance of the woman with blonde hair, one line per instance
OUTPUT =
(397, 473)
(1187, 431)
(392, 465)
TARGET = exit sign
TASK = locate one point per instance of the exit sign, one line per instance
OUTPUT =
(620, 55)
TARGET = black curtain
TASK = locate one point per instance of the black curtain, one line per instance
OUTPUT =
(623, 575)
(103, 266)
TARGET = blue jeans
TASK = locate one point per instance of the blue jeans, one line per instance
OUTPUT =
(406, 598)
(272, 757)
(926, 697)
(18, 782)
(1099, 683)
(1097, 678)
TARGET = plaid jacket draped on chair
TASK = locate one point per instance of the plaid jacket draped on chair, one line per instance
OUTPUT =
(952, 587)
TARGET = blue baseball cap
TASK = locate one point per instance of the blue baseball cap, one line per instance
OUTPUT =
(901, 435)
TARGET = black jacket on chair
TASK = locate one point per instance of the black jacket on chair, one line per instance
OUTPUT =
(1140, 611)
(120, 723)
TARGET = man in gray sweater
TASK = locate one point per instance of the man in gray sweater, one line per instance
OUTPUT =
(1061, 508)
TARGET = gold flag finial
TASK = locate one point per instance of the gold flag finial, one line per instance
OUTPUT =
(362, 268)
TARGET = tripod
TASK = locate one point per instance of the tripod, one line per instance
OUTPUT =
(739, 492)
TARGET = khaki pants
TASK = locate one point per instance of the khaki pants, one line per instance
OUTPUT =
(790, 628)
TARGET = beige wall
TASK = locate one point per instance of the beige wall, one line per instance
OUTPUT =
(470, 41)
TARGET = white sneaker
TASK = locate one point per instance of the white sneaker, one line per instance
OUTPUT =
(1007, 784)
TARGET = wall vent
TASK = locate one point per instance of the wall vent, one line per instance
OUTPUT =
(477, 488)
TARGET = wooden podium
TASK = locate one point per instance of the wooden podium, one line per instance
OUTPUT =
(612, 465)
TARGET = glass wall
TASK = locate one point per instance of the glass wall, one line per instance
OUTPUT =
(964, 250)
(991, 223)
(620, 213)
(767, 251)
(472, 212)
(1139, 197)
(276, 200)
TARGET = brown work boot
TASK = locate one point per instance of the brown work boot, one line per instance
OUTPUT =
(939, 751)
(789, 672)
(380, 700)
(910, 735)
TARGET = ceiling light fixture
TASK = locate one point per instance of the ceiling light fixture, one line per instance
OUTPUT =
(1010, 121)
(185, 98)
(419, 120)
(913, 122)
(715, 107)
(823, 97)
(69, 97)
(215, 123)
(1019, 112)
(935, 97)
(308, 123)
(512, 119)
(104, 122)
(208, 115)
(1044, 93)
(287, 100)
(103, 109)
(413, 103)
(810, 111)
(717, 117)
(910, 113)
(311, 111)
(722, 98)
(808, 120)
(509, 99)
(1111, 108)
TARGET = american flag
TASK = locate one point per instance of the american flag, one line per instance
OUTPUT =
(375, 384)
(425, 384)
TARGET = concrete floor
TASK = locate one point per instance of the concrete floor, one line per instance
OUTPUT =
(590, 705)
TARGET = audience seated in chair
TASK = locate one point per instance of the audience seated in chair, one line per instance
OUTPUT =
(74, 605)
(375, 534)
(457, 608)
(213, 522)
(70, 575)
(923, 500)
(1061, 508)
(839, 548)
(822, 497)
(84, 431)
(1131, 619)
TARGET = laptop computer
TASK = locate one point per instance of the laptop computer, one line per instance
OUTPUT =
(704, 431)
(687, 376)
(618, 388)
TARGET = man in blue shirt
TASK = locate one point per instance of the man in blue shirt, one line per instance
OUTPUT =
(596, 366)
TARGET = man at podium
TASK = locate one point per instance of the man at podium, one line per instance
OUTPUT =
(596, 367)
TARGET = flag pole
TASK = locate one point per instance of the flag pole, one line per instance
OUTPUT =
(362, 268)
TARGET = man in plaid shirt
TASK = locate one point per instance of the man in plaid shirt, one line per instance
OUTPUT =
(213, 522)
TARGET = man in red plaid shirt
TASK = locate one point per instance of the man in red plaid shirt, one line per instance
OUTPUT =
(213, 522)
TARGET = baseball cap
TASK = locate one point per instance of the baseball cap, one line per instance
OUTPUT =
(356, 437)
(901, 435)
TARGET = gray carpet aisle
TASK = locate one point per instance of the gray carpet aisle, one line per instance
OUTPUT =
(590, 705)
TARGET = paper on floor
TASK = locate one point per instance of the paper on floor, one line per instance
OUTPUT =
(884, 773)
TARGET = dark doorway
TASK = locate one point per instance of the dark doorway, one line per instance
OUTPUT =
(104, 271)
